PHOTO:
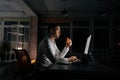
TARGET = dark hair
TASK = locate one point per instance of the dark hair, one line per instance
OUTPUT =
(52, 26)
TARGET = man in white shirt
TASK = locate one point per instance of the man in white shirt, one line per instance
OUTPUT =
(48, 52)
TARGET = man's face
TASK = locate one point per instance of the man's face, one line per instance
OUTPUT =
(57, 32)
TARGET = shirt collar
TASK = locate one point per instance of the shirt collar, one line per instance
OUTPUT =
(51, 40)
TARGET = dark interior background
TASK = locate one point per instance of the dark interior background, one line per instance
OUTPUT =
(101, 18)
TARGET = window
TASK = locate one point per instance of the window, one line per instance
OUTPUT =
(16, 32)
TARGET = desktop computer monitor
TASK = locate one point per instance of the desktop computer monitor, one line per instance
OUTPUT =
(86, 50)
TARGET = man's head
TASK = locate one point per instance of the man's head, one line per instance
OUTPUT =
(54, 30)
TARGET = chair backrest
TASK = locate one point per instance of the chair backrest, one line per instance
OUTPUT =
(23, 58)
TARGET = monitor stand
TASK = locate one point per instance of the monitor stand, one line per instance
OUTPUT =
(85, 58)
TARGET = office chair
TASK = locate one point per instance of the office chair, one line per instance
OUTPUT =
(23, 64)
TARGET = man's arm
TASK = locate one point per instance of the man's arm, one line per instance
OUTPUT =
(49, 53)
(63, 53)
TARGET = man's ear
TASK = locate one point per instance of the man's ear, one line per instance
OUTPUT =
(51, 31)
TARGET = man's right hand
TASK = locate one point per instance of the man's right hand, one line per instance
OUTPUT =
(68, 42)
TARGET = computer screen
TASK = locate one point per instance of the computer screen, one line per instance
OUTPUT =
(87, 44)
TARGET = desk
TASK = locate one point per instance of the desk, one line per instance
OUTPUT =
(64, 72)
(79, 70)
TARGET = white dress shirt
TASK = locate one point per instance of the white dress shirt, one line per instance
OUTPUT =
(48, 53)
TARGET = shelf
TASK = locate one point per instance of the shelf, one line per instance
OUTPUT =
(16, 33)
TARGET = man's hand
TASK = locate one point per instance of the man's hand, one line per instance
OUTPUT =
(68, 42)
(73, 58)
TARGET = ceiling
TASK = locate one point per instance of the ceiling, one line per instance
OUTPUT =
(75, 8)
(15, 8)
(53, 8)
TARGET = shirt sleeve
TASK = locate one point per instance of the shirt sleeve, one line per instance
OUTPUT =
(64, 61)
(60, 56)
(63, 53)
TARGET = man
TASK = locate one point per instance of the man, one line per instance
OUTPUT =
(48, 52)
